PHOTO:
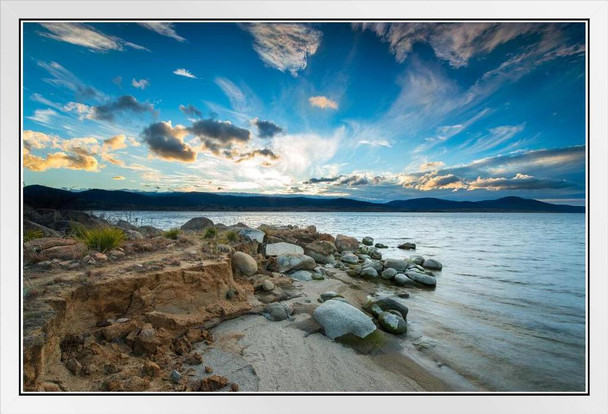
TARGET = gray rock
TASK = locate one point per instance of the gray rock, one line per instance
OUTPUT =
(289, 262)
(267, 285)
(277, 249)
(132, 234)
(339, 318)
(318, 276)
(175, 376)
(150, 231)
(388, 303)
(252, 235)
(416, 259)
(363, 256)
(319, 258)
(244, 264)
(432, 264)
(392, 323)
(421, 278)
(350, 258)
(344, 243)
(401, 279)
(368, 241)
(368, 273)
(389, 273)
(328, 295)
(275, 312)
(397, 264)
(340, 298)
(375, 310)
(323, 249)
(375, 253)
(375, 264)
(197, 224)
(380, 246)
(407, 246)
(302, 275)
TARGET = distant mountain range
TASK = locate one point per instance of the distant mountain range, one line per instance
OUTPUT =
(38, 196)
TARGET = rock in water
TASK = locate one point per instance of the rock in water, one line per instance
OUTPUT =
(392, 323)
(275, 312)
(288, 262)
(388, 303)
(345, 243)
(252, 235)
(417, 260)
(339, 318)
(431, 264)
(398, 265)
(421, 278)
(277, 249)
(380, 246)
(368, 241)
(197, 224)
(407, 246)
(350, 258)
(401, 279)
(244, 264)
(302, 275)
(389, 273)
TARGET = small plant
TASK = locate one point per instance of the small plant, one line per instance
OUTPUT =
(232, 236)
(101, 239)
(210, 233)
(172, 233)
(32, 234)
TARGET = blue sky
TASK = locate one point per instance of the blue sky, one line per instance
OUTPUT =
(374, 111)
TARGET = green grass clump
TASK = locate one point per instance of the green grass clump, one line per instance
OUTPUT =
(232, 236)
(210, 233)
(32, 234)
(172, 233)
(101, 239)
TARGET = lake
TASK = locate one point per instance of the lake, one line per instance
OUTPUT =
(508, 313)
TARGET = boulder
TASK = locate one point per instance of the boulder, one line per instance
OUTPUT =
(402, 280)
(421, 278)
(126, 225)
(275, 312)
(368, 241)
(397, 264)
(244, 264)
(302, 275)
(374, 253)
(277, 249)
(388, 303)
(70, 252)
(376, 264)
(197, 224)
(145, 342)
(432, 264)
(339, 318)
(392, 323)
(132, 234)
(380, 246)
(417, 260)
(388, 274)
(407, 246)
(368, 273)
(46, 232)
(346, 243)
(289, 262)
(322, 251)
(150, 231)
(252, 235)
(350, 258)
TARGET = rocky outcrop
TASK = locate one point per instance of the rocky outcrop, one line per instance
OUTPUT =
(197, 224)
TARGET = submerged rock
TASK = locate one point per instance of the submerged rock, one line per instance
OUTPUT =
(397, 264)
(392, 323)
(339, 318)
(244, 264)
(407, 246)
(380, 246)
(368, 241)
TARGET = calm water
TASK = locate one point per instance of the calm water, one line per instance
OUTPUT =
(508, 313)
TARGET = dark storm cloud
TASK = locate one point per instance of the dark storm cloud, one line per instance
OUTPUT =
(219, 135)
(266, 152)
(167, 142)
(126, 103)
(267, 129)
(190, 110)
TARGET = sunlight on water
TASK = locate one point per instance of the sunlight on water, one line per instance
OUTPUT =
(509, 309)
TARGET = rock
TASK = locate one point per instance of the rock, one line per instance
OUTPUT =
(46, 232)
(329, 295)
(231, 293)
(252, 235)
(244, 264)
(338, 319)
(417, 260)
(288, 262)
(145, 342)
(392, 323)
(368, 241)
(345, 243)
(208, 369)
(267, 285)
(380, 246)
(368, 273)
(407, 246)
(401, 279)
(376, 264)
(150, 231)
(132, 234)
(194, 358)
(375, 253)
(432, 264)
(389, 273)
(213, 383)
(125, 225)
(350, 258)
(197, 224)
(116, 254)
(375, 310)
(136, 384)
(397, 264)
(275, 312)
(117, 330)
(421, 278)
(151, 369)
(317, 276)
(234, 387)
(277, 249)
(302, 275)
(74, 366)
(388, 303)
(175, 376)
(71, 252)
(404, 295)
(322, 251)
(99, 257)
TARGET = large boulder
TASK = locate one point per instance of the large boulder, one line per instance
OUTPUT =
(402, 280)
(29, 226)
(397, 264)
(346, 243)
(275, 312)
(417, 260)
(150, 231)
(368, 273)
(289, 262)
(244, 264)
(392, 322)
(339, 318)
(389, 273)
(421, 278)
(252, 235)
(350, 258)
(69, 252)
(277, 249)
(197, 224)
(432, 264)
(322, 251)
(387, 303)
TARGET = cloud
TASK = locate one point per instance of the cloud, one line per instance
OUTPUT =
(123, 104)
(60, 160)
(86, 36)
(42, 116)
(518, 182)
(217, 135)
(116, 142)
(375, 143)
(164, 29)
(266, 152)
(117, 81)
(496, 136)
(285, 47)
(140, 84)
(118, 177)
(112, 159)
(432, 165)
(83, 111)
(61, 77)
(434, 181)
(167, 142)
(190, 110)
(184, 72)
(36, 140)
(267, 129)
(323, 102)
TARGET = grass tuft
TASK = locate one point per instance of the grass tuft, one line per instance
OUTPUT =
(32, 234)
(172, 233)
(232, 236)
(101, 239)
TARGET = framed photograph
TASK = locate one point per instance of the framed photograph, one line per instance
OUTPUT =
(303, 206)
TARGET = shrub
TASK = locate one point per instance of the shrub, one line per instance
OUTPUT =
(32, 234)
(172, 233)
(101, 239)
(210, 233)
(232, 236)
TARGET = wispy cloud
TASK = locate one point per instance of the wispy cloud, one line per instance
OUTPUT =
(140, 84)
(86, 36)
(185, 73)
(285, 47)
(118, 177)
(323, 102)
(190, 110)
(375, 143)
(163, 29)
(61, 77)
(43, 116)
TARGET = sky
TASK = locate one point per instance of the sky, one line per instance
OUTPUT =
(375, 111)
